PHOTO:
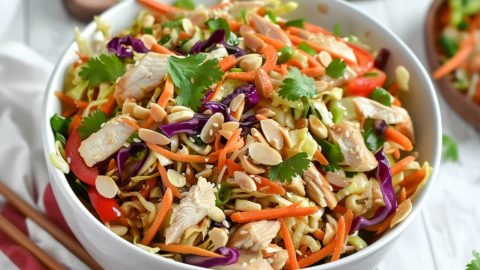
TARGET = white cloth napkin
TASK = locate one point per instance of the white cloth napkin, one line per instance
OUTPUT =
(23, 78)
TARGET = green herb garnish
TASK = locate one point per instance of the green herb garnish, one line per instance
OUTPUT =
(104, 68)
(286, 170)
(91, 124)
(336, 68)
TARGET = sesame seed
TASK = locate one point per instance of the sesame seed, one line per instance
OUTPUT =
(299, 253)
(252, 260)
(209, 166)
(244, 265)
(225, 224)
(210, 132)
(215, 125)
(191, 139)
(69, 159)
(137, 140)
(243, 232)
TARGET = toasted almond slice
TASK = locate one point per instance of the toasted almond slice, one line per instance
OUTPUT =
(148, 40)
(106, 186)
(211, 128)
(230, 126)
(264, 154)
(157, 112)
(176, 178)
(244, 181)
(179, 108)
(403, 210)
(249, 166)
(245, 205)
(216, 214)
(266, 112)
(251, 62)
(180, 116)
(272, 131)
(140, 112)
(154, 137)
(225, 133)
(236, 102)
(317, 128)
(128, 107)
(325, 58)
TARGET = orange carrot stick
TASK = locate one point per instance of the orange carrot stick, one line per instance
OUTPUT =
(227, 62)
(242, 76)
(348, 222)
(313, 71)
(217, 88)
(414, 178)
(165, 207)
(234, 25)
(176, 156)
(160, 49)
(109, 106)
(268, 186)
(402, 196)
(320, 158)
(273, 42)
(339, 240)
(269, 214)
(287, 239)
(318, 234)
(391, 134)
(166, 182)
(317, 256)
(186, 249)
(70, 101)
(166, 94)
(157, 6)
(458, 59)
(223, 154)
(402, 164)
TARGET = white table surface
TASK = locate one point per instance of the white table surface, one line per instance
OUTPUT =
(447, 230)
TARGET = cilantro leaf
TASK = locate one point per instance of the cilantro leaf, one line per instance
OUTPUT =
(332, 152)
(192, 76)
(300, 23)
(475, 263)
(372, 140)
(59, 125)
(294, 166)
(91, 124)
(104, 68)
(336, 68)
(296, 85)
(184, 4)
(449, 149)
(173, 24)
(306, 48)
(337, 30)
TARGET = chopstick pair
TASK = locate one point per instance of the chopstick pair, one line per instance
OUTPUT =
(23, 240)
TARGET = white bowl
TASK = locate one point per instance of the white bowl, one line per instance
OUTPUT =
(112, 252)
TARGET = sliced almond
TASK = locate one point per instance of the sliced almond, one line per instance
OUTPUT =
(266, 112)
(180, 116)
(403, 210)
(225, 133)
(216, 214)
(162, 159)
(188, 26)
(128, 107)
(176, 178)
(244, 181)
(264, 154)
(119, 230)
(317, 128)
(207, 172)
(210, 129)
(154, 137)
(236, 102)
(148, 41)
(258, 136)
(325, 58)
(272, 132)
(245, 205)
(140, 112)
(230, 126)
(106, 186)
(249, 166)
(157, 112)
(179, 108)
(251, 62)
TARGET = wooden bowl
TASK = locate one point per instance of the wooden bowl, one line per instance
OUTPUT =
(466, 108)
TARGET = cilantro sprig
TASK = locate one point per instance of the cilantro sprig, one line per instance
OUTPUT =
(104, 68)
(296, 86)
(184, 4)
(91, 124)
(192, 76)
(294, 166)
(336, 68)
(449, 149)
(475, 263)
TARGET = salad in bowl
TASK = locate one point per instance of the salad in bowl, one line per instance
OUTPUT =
(227, 137)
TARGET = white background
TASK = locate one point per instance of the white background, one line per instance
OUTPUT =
(447, 230)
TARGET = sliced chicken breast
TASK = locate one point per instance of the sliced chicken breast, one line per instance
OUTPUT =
(269, 29)
(191, 210)
(141, 79)
(353, 148)
(318, 189)
(255, 236)
(106, 141)
(371, 109)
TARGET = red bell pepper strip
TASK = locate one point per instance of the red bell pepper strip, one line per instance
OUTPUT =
(365, 60)
(364, 85)
(107, 209)
(77, 164)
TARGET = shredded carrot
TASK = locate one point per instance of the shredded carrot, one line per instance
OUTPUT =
(190, 176)
(269, 214)
(111, 165)
(268, 186)
(271, 41)
(227, 62)
(166, 94)
(317, 256)
(320, 158)
(131, 122)
(223, 154)
(70, 101)
(232, 167)
(270, 58)
(391, 134)
(466, 48)
(402, 196)
(76, 120)
(217, 88)
(162, 212)
(318, 234)
(147, 187)
(234, 25)
(184, 35)
(339, 209)
(160, 49)
(414, 178)
(339, 240)
(109, 106)
(187, 249)
(242, 76)
(402, 164)
(166, 182)
(316, 29)
(313, 71)
(217, 144)
(157, 6)
(287, 239)
(378, 227)
(176, 156)
(348, 222)
(396, 102)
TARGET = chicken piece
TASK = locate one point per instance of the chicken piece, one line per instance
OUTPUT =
(279, 259)
(318, 189)
(296, 186)
(371, 109)
(247, 261)
(267, 28)
(106, 141)
(356, 155)
(255, 236)
(142, 78)
(191, 210)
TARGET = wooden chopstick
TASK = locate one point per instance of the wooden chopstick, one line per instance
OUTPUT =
(39, 218)
(19, 237)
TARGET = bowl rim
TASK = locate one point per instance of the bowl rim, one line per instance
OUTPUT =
(57, 177)
(466, 108)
